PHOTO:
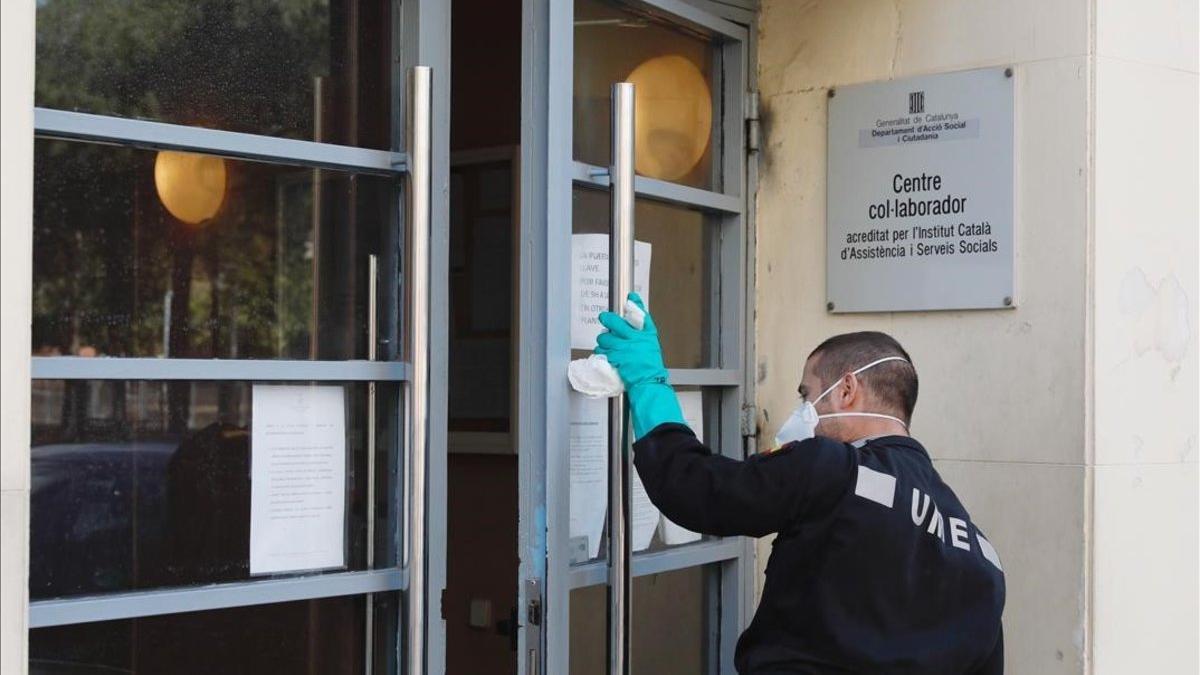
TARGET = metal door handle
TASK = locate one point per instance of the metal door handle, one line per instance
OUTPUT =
(372, 426)
(620, 283)
(417, 195)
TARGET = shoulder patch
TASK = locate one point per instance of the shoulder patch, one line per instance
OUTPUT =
(876, 486)
(988, 551)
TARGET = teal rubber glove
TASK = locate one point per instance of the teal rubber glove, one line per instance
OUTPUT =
(637, 356)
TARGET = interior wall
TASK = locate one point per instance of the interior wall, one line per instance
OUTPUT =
(485, 90)
(1144, 584)
(1002, 407)
(481, 561)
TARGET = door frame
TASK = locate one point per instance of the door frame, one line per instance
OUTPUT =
(422, 28)
(549, 174)
(425, 41)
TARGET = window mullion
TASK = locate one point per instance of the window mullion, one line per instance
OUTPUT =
(118, 606)
(705, 377)
(64, 124)
(656, 562)
(113, 368)
(674, 193)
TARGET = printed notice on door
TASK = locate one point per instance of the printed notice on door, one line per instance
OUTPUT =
(589, 481)
(589, 284)
(589, 470)
(919, 210)
(297, 478)
(692, 405)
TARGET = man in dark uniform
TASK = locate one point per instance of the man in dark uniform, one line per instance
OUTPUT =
(876, 567)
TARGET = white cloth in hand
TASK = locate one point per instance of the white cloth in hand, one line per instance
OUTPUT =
(594, 376)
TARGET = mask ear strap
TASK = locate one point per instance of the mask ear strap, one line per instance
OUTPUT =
(879, 361)
(863, 414)
(855, 372)
(831, 388)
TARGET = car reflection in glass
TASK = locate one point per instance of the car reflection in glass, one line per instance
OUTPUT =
(120, 516)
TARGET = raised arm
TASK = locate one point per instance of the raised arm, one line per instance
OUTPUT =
(701, 490)
(708, 493)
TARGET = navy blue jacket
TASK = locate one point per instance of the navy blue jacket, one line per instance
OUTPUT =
(877, 566)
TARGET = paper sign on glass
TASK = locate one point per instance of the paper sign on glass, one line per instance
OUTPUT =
(589, 469)
(589, 284)
(691, 402)
(297, 478)
(589, 479)
(644, 515)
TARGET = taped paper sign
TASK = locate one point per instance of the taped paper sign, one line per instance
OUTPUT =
(589, 469)
(589, 284)
(297, 478)
(693, 413)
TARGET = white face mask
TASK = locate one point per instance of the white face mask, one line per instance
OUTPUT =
(802, 423)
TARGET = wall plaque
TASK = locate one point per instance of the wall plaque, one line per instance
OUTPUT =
(920, 194)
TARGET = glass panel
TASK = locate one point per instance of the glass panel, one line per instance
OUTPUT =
(683, 272)
(677, 608)
(653, 531)
(677, 118)
(143, 253)
(481, 307)
(310, 636)
(140, 484)
(311, 69)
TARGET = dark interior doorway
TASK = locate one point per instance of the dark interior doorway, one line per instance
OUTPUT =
(481, 593)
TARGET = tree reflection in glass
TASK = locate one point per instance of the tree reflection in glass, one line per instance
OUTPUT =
(278, 271)
(308, 69)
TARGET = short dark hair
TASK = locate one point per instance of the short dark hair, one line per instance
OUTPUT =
(893, 383)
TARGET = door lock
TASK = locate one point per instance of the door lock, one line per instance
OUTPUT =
(534, 613)
(533, 627)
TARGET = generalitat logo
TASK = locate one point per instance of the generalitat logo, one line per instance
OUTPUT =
(916, 102)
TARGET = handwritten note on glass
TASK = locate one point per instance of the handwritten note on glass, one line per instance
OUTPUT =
(589, 284)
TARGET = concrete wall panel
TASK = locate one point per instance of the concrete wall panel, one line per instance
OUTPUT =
(1154, 32)
(16, 278)
(1147, 235)
(820, 43)
(1147, 168)
(1033, 514)
(14, 573)
(1145, 617)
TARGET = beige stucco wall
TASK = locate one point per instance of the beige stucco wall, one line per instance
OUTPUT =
(16, 245)
(1144, 581)
(1068, 425)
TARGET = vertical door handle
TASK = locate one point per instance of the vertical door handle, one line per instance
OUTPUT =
(372, 426)
(620, 283)
(417, 196)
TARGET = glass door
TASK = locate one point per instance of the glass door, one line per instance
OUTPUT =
(235, 443)
(689, 592)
